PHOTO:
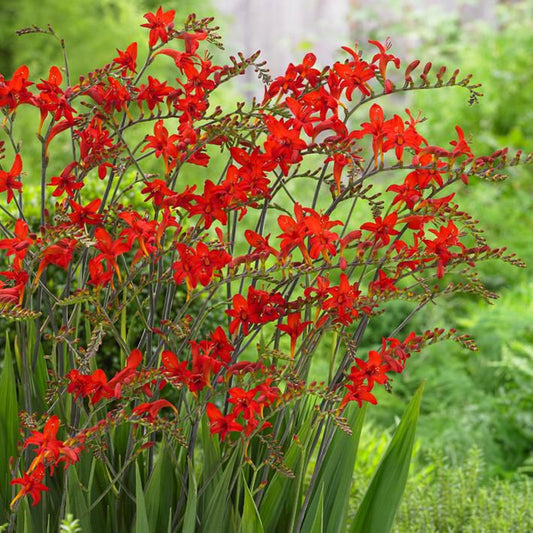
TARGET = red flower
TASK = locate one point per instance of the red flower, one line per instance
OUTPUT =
(382, 229)
(203, 365)
(212, 204)
(354, 74)
(160, 24)
(94, 385)
(127, 374)
(283, 145)
(184, 269)
(325, 99)
(86, 214)
(13, 92)
(222, 348)
(200, 265)
(409, 192)
(210, 262)
(163, 144)
(15, 294)
(191, 40)
(294, 78)
(219, 423)
(383, 60)
(80, 384)
(399, 138)
(321, 240)
(9, 180)
(259, 307)
(48, 446)
(66, 182)
(294, 233)
(254, 166)
(240, 313)
(141, 230)
(151, 410)
(302, 115)
(53, 100)
(339, 162)
(58, 128)
(294, 328)
(193, 106)
(261, 249)
(158, 190)
(244, 402)
(267, 394)
(31, 484)
(110, 249)
(445, 238)
(19, 244)
(154, 93)
(374, 128)
(59, 253)
(113, 97)
(174, 369)
(98, 276)
(127, 60)
(375, 370)
(383, 284)
(175, 200)
(182, 60)
(460, 147)
(359, 393)
(321, 290)
(10, 295)
(96, 146)
(342, 300)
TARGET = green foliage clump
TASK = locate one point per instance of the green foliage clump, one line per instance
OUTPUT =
(75, 22)
(481, 398)
(441, 497)
(500, 55)
(455, 499)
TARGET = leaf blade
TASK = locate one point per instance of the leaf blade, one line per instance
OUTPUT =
(251, 521)
(336, 474)
(382, 498)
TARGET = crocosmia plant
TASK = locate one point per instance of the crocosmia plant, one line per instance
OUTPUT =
(185, 287)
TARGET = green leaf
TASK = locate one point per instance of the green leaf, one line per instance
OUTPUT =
(141, 517)
(335, 475)
(281, 494)
(189, 519)
(169, 525)
(41, 377)
(318, 522)
(251, 521)
(216, 499)
(9, 423)
(382, 499)
(25, 512)
(161, 489)
(77, 501)
(97, 484)
(211, 450)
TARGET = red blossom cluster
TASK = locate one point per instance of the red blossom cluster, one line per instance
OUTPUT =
(248, 404)
(318, 274)
(49, 452)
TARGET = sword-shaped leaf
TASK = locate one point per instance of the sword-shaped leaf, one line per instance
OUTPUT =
(382, 499)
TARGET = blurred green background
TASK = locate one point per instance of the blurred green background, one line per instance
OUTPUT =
(476, 428)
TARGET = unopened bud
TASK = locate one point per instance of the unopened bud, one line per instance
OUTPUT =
(411, 67)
